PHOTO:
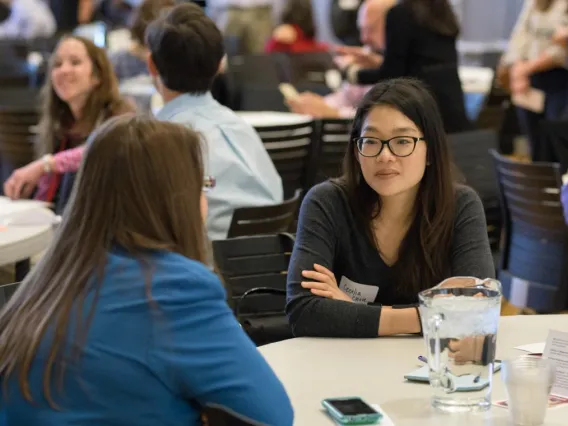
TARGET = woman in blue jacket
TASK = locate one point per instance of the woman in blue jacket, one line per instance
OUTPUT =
(121, 323)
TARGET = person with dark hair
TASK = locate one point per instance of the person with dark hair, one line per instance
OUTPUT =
(536, 58)
(420, 42)
(131, 62)
(186, 49)
(394, 224)
(297, 32)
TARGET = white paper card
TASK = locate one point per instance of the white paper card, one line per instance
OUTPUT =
(533, 348)
(360, 293)
(532, 99)
(556, 350)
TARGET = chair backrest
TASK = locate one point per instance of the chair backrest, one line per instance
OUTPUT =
(218, 415)
(290, 147)
(6, 292)
(246, 263)
(332, 142)
(535, 243)
(470, 151)
(255, 80)
(264, 219)
(308, 71)
(18, 127)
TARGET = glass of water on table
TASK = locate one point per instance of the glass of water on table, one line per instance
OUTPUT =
(460, 317)
(528, 381)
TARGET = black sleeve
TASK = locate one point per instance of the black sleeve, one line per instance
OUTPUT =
(320, 224)
(400, 28)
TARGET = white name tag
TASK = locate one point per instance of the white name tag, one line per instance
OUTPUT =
(360, 293)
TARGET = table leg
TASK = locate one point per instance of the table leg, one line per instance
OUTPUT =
(22, 269)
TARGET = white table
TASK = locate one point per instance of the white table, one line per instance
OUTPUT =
(373, 369)
(259, 119)
(476, 79)
(19, 243)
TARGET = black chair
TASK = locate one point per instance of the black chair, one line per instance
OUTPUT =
(18, 121)
(254, 270)
(233, 45)
(218, 415)
(6, 292)
(332, 142)
(535, 242)
(254, 81)
(264, 219)
(307, 71)
(291, 148)
(554, 139)
(471, 155)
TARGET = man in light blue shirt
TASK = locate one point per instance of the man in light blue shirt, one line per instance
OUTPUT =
(186, 49)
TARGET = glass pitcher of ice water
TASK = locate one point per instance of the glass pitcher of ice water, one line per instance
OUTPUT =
(460, 317)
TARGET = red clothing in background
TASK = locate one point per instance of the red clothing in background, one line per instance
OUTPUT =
(302, 44)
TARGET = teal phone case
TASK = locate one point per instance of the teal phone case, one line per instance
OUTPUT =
(464, 383)
(336, 415)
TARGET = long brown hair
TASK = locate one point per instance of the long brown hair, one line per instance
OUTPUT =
(139, 189)
(103, 102)
(436, 15)
(424, 252)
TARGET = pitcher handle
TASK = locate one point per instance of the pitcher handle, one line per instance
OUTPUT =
(434, 324)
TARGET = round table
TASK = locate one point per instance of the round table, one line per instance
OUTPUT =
(19, 243)
(259, 119)
(312, 369)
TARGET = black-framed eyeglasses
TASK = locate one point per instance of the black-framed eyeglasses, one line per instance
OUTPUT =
(208, 183)
(399, 146)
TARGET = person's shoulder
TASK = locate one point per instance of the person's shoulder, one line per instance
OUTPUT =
(467, 201)
(178, 277)
(329, 194)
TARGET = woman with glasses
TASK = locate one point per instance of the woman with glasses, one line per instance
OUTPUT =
(394, 224)
(121, 322)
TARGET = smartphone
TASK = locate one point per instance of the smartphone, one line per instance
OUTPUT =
(351, 411)
(288, 91)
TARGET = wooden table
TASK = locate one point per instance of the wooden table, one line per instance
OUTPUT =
(373, 369)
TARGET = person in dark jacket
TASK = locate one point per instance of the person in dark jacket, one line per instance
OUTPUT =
(421, 43)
